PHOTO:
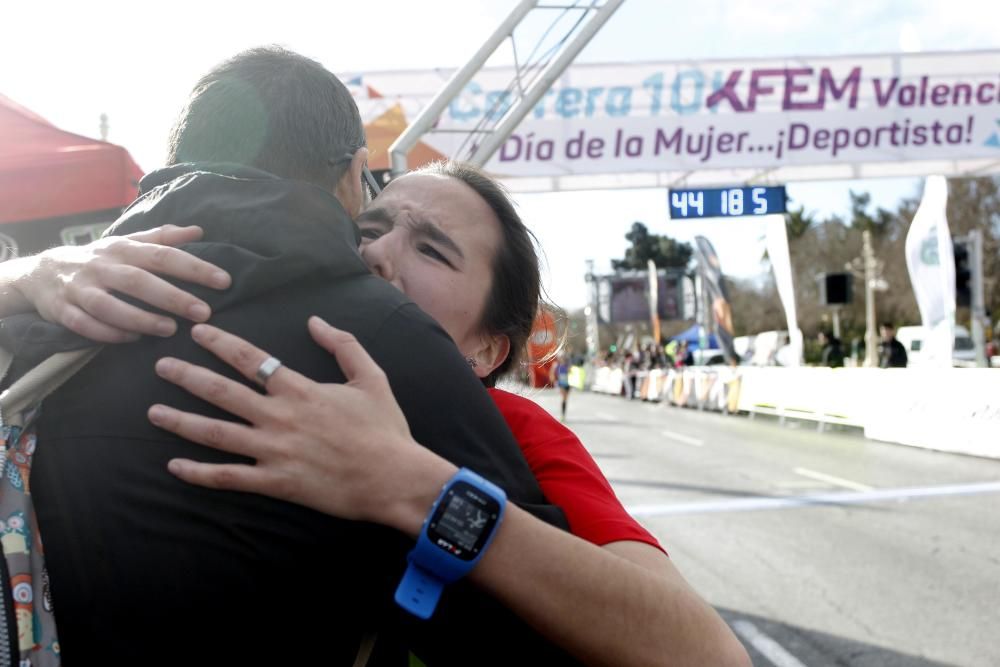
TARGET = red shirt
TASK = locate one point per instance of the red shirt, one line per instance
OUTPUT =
(568, 475)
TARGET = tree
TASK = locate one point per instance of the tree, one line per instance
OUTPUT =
(665, 251)
(798, 222)
(756, 306)
(878, 223)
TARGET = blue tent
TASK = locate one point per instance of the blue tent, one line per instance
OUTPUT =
(693, 338)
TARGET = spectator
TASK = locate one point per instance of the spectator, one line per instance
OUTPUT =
(891, 353)
(631, 370)
(683, 357)
(669, 350)
(833, 351)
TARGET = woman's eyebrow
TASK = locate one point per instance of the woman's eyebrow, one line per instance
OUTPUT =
(375, 214)
(434, 233)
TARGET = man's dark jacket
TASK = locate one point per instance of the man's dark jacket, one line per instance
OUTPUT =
(833, 353)
(892, 354)
(147, 569)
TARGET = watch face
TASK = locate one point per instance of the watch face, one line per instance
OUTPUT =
(463, 521)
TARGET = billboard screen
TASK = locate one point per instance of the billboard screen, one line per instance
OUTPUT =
(625, 297)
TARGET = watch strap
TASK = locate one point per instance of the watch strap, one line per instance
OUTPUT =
(418, 591)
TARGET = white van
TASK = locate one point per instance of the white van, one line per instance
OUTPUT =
(912, 338)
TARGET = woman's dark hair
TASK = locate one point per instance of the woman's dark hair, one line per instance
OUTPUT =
(512, 304)
(272, 109)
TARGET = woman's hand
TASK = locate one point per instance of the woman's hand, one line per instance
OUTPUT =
(72, 285)
(345, 449)
(342, 449)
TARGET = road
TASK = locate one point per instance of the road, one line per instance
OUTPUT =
(817, 548)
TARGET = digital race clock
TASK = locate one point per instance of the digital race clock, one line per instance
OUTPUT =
(726, 202)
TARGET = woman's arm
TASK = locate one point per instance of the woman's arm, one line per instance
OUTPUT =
(624, 604)
(75, 285)
(570, 478)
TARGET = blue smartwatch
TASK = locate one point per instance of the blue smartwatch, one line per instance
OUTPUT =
(455, 535)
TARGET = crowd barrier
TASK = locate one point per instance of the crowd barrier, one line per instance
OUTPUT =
(607, 380)
(953, 410)
(703, 388)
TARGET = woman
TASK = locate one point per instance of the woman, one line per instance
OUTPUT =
(450, 239)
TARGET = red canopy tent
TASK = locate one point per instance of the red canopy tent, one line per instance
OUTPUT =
(54, 182)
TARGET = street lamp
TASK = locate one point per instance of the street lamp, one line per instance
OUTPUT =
(869, 269)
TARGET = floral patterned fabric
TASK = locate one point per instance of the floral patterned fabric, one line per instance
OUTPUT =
(35, 643)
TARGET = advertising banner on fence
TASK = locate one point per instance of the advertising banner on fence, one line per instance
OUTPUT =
(695, 116)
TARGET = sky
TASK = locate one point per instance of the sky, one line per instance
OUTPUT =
(72, 61)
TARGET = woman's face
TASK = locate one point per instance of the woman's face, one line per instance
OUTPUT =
(434, 239)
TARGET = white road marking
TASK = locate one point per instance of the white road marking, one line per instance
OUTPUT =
(606, 417)
(837, 498)
(795, 484)
(680, 437)
(830, 479)
(766, 646)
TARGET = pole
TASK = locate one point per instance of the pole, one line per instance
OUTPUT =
(429, 114)
(978, 305)
(593, 331)
(836, 322)
(537, 90)
(871, 349)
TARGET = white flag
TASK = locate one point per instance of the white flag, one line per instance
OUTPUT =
(654, 299)
(781, 264)
(931, 264)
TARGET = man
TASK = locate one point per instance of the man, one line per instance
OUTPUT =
(684, 355)
(832, 350)
(148, 570)
(891, 353)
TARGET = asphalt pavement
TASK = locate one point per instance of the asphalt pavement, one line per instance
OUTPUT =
(817, 548)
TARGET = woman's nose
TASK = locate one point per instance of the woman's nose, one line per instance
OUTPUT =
(378, 256)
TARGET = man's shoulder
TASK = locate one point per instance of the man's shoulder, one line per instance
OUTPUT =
(362, 304)
(243, 206)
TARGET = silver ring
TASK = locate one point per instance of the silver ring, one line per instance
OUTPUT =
(267, 368)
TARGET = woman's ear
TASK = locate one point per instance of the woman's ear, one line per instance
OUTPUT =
(349, 189)
(493, 351)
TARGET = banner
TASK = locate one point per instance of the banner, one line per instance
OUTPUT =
(803, 117)
(931, 264)
(722, 313)
(781, 264)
